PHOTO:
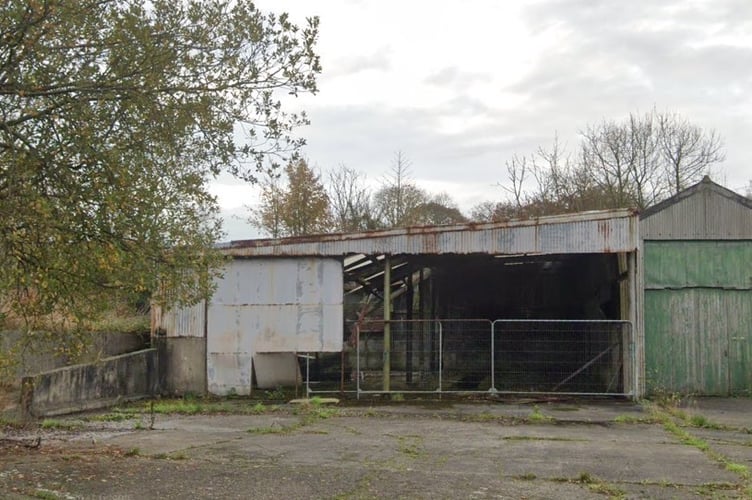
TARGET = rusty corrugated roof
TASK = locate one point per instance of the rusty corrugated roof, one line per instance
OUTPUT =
(604, 231)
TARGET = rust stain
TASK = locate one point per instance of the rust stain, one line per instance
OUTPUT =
(435, 239)
(430, 243)
(604, 229)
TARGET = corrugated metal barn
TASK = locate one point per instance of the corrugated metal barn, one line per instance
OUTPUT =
(698, 292)
(547, 305)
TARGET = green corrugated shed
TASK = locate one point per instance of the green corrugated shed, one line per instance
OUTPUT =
(697, 249)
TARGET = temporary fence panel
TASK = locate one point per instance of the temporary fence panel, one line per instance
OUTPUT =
(426, 356)
(482, 356)
(554, 356)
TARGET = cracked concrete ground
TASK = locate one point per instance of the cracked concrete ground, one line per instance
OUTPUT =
(446, 450)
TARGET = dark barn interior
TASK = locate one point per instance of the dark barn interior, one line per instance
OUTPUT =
(542, 313)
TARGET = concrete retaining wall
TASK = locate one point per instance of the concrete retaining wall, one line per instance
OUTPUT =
(182, 365)
(41, 358)
(97, 385)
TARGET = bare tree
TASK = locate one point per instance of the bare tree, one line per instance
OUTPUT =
(636, 162)
(559, 181)
(608, 154)
(645, 158)
(517, 171)
(687, 150)
(644, 169)
(349, 200)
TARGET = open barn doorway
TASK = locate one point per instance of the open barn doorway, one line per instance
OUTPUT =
(484, 323)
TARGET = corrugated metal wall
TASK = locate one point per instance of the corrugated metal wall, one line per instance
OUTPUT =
(698, 316)
(706, 215)
(180, 321)
(271, 305)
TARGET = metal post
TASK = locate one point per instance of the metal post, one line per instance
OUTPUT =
(441, 354)
(357, 360)
(493, 358)
(409, 297)
(422, 288)
(387, 326)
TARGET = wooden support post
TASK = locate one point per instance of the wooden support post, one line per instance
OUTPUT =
(387, 370)
(625, 305)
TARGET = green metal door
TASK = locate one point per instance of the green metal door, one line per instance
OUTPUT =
(698, 316)
(739, 312)
(686, 341)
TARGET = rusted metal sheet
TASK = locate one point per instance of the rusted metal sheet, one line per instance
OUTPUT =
(269, 306)
(607, 231)
(180, 321)
(704, 211)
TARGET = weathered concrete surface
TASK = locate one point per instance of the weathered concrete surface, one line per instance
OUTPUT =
(96, 385)
(41, 359)
(734, 412)
(561, 411)
(402, 451)
(182, 365)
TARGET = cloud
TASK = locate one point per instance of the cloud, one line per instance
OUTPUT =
(452, 76)
(461, 89)
(354, 64)
(366, 138)
(607, 59)
(236, 226)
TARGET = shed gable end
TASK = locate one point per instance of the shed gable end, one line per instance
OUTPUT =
(705, 211)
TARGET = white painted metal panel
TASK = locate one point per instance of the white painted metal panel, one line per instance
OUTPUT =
(229, 373)
(269, 306)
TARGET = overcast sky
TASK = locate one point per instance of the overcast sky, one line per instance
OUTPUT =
(460, 87)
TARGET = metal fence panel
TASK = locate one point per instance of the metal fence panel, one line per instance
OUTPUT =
(415, 356)
(562, 356)
(480, 356)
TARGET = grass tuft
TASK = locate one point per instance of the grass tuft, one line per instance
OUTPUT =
(631, 419)
(115, 416)
(703, 422)
(46, 494)
(537, 417)
(273, 429)
(53, 424)
(740, 469)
